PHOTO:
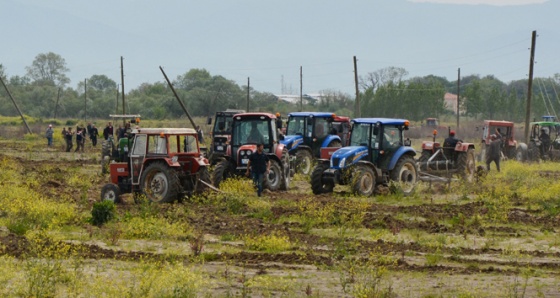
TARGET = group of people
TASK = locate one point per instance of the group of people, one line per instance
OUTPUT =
(78, 136)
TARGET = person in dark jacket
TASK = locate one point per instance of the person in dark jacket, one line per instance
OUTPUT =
(449, 145)
(93, 135)
(79, 140)
(259, 165)
(108, 131)
(494, 152)
(68, 137)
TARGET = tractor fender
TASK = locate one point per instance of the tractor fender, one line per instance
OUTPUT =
(329, 139)
(403, 150)
(278, 152)
(463, 147)
(430, 145)
(292, 142)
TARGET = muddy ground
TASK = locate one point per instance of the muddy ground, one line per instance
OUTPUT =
(474, 258)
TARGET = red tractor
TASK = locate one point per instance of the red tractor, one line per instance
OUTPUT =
(506, 130)
(163, 164)
(244, 127)
(443, 161)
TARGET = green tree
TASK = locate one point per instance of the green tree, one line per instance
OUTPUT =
(48, 69)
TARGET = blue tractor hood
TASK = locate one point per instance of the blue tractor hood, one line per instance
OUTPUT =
(348, 156)
(292, 142)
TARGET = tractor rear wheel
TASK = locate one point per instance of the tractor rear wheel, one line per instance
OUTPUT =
(222, 171)
(160, 183)
(405, 174)
(425, 156)
(521, 154)
(304, 162)
(335, 144)
(275, 176)
(466, 165)
(363, 180)
(317, 184)
(111, 192)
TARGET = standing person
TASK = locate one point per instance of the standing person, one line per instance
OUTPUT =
(79, 140)
(108, 131)
(120, 132)
(68, 138)
(259, 165)
(89, 126)
(544, 137)
(93, 134)
(49, 135)
(494, 152)
(200, 134)
(498, 133)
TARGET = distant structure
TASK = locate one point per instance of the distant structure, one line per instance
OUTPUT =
(450, 101)
(307, 98)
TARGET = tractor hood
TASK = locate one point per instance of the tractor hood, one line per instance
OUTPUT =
(292, 142)
(348, 156)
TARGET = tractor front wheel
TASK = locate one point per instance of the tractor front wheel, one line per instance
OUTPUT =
(275, 176)
(160, 183)
(405, 174)
(202, 176)
(304, 161)
(363, 180)
(222, 171)
(317, 184)
(111, 192)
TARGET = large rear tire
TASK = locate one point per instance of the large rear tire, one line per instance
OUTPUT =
(222, 171)
(405, 174)
(304, 162)
(363, 180)
(275, 176)
(521, 154)
(318, 186)
(335, 144)
(111, 192)
(160, 183)
(466, 165)
(425, 156)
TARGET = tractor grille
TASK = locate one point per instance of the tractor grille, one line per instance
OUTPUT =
(335, 161)
(220, 144)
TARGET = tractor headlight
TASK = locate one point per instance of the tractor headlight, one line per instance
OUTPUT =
(249, 152)
(342, 163)
(242, 152)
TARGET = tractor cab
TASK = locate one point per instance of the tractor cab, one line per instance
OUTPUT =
(377, 154)
(544, 143)
(308, 132)
(221, 133)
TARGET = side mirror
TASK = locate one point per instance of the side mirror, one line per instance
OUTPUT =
(208, 120)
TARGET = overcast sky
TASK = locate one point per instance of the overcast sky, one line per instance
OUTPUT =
(268, 41)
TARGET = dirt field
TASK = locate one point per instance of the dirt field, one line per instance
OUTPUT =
(440, 242)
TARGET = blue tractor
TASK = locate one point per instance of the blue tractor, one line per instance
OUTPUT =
(308, 132)
(376, 155)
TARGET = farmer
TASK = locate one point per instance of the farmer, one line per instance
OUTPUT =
(449, 145)
(80, 140)
(93, 134)
(494, 152)
(200, 134)
(68, 137)
(49, 135)
(259, 165)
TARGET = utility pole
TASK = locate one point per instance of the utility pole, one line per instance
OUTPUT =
(357, 111)
(530, 86)
(117, 107)
(122, 85)
(301, 88)
(56, 106)
(85, 100)
(458, 94)
(248, 88)
(15, 104)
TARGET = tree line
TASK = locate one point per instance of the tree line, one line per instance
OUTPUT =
(44, 92)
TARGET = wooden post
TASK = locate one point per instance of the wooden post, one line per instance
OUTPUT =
(530, 87)
(458, 95)
(122, 85)
(15, 104)
(248, 93)
(357, 110)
